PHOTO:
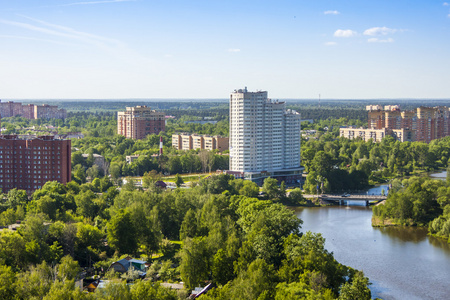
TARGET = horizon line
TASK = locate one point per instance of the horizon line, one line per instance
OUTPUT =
(206, 99)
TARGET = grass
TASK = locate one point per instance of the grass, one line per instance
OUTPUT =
(186, 177)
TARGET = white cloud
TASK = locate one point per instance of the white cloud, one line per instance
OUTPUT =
(376, 40)
(67, 34)
(448, 15)
(33, 39)
(345, 33)
(445, 4)
(95, 2)
(379, 31)
(63, 31)
(330, 44)
(331, 12)
(234, 50)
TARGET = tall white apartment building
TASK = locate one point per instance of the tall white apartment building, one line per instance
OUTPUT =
(264, 138)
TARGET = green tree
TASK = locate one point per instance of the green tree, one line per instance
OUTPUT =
(270, 187)
(16, 198)
(64, 290)
(178, 180)
(122, 235)
(149, 290)
(258, 282)
(68, 269)
(35, 283)
(296, 196)
(150, 178)
(249, 189)
(195, 265)
(12, 249)
(86, 206)
(88, 236)
(115, 171)
(7, 281)
(189, 225)
(356, 289)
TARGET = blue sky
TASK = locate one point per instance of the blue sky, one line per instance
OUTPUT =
(343, 49)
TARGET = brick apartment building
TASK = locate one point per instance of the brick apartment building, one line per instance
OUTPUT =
(31, 111)
(185, 141)
(140, 121)
(423, 124)
(28, 164)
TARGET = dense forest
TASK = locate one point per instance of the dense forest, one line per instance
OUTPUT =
(248, 247)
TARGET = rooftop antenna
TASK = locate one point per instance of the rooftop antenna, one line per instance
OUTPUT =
(319, 100)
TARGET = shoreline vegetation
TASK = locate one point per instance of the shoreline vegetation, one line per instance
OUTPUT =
(417, 201)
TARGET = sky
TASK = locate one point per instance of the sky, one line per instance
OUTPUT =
(346, 49)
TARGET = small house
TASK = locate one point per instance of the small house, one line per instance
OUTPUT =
(125, 264)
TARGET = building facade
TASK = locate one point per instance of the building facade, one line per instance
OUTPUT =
(264, 138)
(185, 141)
(46, 111)
(376, 135)
(423, 124)
(31, 111)
(28, 164)
(140, 121)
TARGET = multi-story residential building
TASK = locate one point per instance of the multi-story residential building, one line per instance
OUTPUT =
(376, 119)
(423, 124)
(176, 141)
(198, 142)
(28, 111)
(46, 111)
(264, 138)
(185, 141)
(28, 164)
(216, 142)
(31, 111)
(140, 121)
(10, 109)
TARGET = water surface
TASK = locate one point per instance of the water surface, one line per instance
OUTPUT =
(401, 263)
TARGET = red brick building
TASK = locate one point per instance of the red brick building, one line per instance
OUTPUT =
(140, 121)
(27, 164)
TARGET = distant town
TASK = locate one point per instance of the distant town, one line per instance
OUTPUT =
(127, 195)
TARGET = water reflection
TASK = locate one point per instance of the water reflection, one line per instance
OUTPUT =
(441, 243)
(404, 234)
(401, 262)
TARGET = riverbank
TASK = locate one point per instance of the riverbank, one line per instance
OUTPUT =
(382, 222)
(401, 262)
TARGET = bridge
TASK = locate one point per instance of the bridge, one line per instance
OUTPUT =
(348, 197)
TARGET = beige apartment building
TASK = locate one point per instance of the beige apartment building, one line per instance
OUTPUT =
(423, 124)
(376, 135)
(185, 141)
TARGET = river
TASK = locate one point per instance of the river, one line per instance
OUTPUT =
(401, 262)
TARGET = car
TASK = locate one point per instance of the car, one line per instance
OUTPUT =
(345, 195)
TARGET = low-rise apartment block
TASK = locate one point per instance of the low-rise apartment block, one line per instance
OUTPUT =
(376, 135)
(184, 141)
